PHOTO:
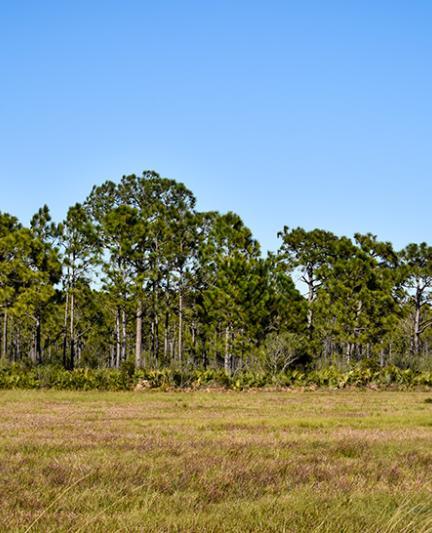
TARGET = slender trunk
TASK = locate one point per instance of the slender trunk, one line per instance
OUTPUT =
(156, 339)
(117, 339)
(309, 320)
(72, 331)
(155, 302)
(180, 327)
(138, 335)
(416, 347)
(5, 331)
(357, 349)
(348, 352)
(227, 355)
(124, 336)
(166, 340)
(152, 343)
(32, 353)
(112, 361)
(38, 342)
(311, 297)
(66, 320)
(193, 342)
(78, 350)
(233, 358)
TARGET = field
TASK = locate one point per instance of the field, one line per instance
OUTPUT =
(214, 461)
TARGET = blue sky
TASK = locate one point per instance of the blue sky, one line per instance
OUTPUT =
(314, 114)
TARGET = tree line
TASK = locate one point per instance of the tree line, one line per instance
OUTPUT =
(136, 275)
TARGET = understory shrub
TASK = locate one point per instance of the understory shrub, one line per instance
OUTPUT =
(50, 377)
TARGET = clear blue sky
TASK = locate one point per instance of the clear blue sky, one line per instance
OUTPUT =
(308, 113)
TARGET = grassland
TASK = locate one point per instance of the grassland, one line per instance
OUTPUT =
(212, 461)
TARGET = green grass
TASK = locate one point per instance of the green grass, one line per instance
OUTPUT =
(214, 461)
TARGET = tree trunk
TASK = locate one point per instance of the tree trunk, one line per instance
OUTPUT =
(65, 333)
(166, 339)
(72, 331)
(180, 328)
(152, 343)
(204, 351)
(138, 336)
(156, 339)
(416, 347)
(348, 352)
(227, 355)
(4, 340)
(32, 353)
(311, 297)
(79, 347)
(117, 339)
(112, 357)
(124, 336)
(38, 342)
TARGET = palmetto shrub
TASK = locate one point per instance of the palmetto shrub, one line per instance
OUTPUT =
(50, 377)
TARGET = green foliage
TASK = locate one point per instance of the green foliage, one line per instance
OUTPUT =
(136, 277)
(51, 377)
(57, 378)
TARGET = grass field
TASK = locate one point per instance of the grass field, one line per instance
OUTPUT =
(213, 461)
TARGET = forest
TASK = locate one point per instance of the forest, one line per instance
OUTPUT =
(136, 275)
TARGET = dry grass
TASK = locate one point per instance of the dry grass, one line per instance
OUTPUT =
(321, 461)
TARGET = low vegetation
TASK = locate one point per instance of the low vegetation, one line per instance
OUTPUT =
(212, 461)
(46, 377)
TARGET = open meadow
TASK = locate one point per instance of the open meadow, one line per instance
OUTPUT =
(214, 461)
